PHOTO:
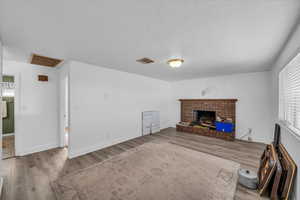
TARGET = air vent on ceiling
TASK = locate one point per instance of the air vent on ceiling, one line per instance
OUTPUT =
(44, 60)
(145, 60)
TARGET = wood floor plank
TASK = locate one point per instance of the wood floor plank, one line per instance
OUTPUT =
(8, 146)
(29, 177)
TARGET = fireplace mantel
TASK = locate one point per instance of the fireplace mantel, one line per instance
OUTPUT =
(224, 109)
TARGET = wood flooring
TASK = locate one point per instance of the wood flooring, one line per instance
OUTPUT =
(29, 177)
(8, 146)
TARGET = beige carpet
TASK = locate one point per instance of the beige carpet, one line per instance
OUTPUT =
(153, 172)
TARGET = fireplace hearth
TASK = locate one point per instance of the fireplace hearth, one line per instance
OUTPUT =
(209, 117)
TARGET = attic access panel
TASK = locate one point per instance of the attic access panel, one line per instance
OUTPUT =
(44, 60)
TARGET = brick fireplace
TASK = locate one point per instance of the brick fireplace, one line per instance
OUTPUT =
(199, 116)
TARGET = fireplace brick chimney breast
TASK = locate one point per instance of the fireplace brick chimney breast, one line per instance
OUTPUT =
(224, 108)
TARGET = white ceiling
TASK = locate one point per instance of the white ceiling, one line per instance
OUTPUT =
(214, 37)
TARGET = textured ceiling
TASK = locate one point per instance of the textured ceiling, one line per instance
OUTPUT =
(214, 37)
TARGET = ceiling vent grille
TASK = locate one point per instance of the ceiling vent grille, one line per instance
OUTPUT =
(45, 61)
(145, 60)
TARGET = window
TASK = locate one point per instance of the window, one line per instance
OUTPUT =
(289, 95)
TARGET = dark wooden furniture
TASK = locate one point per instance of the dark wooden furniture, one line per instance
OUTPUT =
(224, 108)
(267, 169)
(276, 136)
(276, 182)
(289, 170)
(277, 170)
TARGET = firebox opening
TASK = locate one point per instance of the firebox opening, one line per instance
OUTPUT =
(205, 118)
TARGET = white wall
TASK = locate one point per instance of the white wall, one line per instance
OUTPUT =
(106, 106)
(288, 139)
(253, 91)
(36, 107)
(63, 71)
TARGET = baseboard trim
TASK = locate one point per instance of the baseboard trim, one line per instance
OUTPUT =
(1, 186)
(38, 148)
(97, 147)
(8, 134)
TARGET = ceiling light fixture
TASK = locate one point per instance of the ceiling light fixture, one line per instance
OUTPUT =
(175, 63)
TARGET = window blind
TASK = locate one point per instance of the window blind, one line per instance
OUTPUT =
(289, 94)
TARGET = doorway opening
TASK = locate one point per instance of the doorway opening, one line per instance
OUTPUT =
(8, 118)
(64, 103)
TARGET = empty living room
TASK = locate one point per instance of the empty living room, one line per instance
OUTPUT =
(150, 100)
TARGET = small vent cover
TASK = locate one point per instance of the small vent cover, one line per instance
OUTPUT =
(145, 60)
(42, 78)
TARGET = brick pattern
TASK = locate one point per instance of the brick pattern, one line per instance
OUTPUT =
(206, 132)
(224, 108)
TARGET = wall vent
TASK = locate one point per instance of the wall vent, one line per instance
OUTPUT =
(44, 60)
(145, 61)
(43, 78)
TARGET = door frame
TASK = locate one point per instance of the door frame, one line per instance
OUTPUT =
(16, 111)
(64, 103)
